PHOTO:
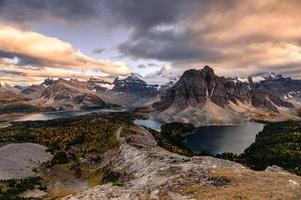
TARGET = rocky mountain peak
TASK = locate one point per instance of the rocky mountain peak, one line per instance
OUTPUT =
(203, 89)
(48, 81)
(163, 70)
(206, 74)
(135, 76)
(207, 70)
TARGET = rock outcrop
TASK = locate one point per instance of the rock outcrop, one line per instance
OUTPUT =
(150, 172)
(201, 92)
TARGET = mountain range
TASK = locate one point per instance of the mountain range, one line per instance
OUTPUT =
(197, 96)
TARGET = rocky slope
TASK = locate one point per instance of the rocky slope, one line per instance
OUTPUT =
(64, 94)
(18, 160)
(12, 101)
(201, 97)
(71, 95)
(146, 171)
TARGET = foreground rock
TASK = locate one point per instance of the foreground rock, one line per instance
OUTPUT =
(147, 171)
(18, 160)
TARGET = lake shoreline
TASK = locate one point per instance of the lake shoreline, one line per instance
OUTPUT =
(222, 139)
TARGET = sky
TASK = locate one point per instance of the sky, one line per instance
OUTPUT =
(105, 38)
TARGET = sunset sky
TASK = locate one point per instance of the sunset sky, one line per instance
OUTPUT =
(85, 38)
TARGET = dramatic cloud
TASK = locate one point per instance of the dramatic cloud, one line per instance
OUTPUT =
(235, 37)
(28, 11)
(39, 50)
(227, 34)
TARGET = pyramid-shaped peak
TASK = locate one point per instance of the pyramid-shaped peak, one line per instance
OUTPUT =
(207, 69)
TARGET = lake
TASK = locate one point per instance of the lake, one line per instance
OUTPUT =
(63, 114)
(216, 139)
(219, 139)
(153, 124)
(212, 139)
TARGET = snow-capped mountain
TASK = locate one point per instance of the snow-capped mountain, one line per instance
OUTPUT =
(134, 84)
(284, 88)
(259, 77)
(150, 85)
(162, 79)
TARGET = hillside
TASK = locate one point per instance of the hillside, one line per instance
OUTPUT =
(143, 170)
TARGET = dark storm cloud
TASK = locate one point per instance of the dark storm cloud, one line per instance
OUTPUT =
(161, 28)
(167, 46)
(228, 34)
(144, 15)
(26, 11)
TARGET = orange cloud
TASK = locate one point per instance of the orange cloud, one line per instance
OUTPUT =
(52, 52)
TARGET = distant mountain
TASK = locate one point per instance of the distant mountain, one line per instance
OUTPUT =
(134, 84)
(9, 94)
(4, 87)
(260, 77)
(12, 101)
(202, 97)
(136, 91)
(161, 79)
(197, 94)
(283, 87)
(33, 91)
(99, 85)
(69, 95)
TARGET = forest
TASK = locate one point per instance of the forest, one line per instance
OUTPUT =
(77, 143)
(279, 143)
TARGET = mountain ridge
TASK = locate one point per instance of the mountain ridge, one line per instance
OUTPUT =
(201, 92)
(198, 95)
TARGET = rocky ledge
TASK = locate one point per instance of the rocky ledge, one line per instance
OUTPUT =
(142, 170)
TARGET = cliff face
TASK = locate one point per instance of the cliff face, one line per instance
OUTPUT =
(203, 91)
(195, 87)
(147, 171)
